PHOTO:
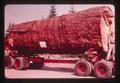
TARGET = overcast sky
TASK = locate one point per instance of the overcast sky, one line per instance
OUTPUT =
(24, 13)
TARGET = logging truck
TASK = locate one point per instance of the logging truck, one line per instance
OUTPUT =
(84, 33)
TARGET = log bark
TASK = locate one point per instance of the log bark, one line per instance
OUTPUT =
(71, 32)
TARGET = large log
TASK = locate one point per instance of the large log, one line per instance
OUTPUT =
(74, 32)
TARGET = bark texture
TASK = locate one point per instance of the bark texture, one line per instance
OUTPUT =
(74, 32)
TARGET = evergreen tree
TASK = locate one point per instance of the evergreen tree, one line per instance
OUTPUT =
(72, 9)
(9, 26)
(12, 24)
(52, 11)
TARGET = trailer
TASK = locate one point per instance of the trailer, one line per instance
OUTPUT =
(83, 33)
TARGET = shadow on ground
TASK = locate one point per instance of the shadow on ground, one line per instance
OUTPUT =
(46, 68)
(58, 69)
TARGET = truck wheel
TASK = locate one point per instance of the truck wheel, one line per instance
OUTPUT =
(103, 69)
(42, 62)
(83, 67)
(37, 65)
(9, 62)
(21, 63)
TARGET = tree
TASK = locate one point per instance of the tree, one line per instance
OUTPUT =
(11, 24)
(72, 9)
(52, 11)
(9, 27)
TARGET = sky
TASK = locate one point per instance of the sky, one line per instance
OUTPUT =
(24, 13)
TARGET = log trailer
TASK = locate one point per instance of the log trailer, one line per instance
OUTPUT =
(83, 32)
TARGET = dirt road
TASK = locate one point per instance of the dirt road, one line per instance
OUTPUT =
(50, 70)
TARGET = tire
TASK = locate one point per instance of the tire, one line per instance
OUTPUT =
(41, 64)
(103, 69)
(83, 67)
(9, 62)
(37, 65)
(21, 63)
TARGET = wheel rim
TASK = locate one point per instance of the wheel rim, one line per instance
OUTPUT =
(101, 70)
(81, 68)
(17, 63)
